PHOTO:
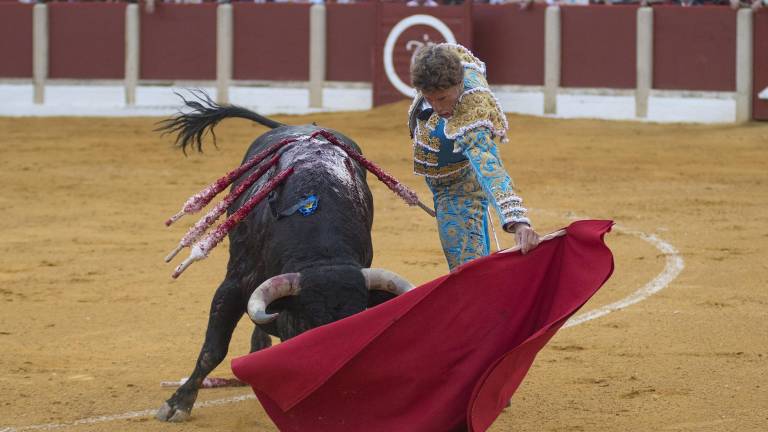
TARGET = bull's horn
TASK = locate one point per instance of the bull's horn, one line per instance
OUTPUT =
(385, 280)
(282, 285)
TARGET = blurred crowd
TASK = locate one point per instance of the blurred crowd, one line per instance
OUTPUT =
(735, 4)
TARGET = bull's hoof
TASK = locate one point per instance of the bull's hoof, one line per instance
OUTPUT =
(167, 413)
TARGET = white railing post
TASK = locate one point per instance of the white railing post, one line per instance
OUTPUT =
(39, 51)
(131, 53)
(744, 78)
(552, 46)
(644, 61)
(317, 52)
(224, 47)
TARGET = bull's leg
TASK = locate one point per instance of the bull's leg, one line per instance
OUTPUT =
(226, 309)
(260, 339)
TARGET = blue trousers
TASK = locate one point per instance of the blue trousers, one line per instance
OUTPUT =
(462, 217)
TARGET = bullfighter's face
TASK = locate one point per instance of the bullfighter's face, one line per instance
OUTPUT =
(444, 101)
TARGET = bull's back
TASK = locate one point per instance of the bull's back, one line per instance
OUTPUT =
(284, 132)
(336, 232)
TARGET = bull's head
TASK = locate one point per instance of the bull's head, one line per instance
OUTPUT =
(319, 310)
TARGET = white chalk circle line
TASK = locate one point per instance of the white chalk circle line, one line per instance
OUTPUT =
(672, 268)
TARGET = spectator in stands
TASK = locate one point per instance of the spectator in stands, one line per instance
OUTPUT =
(706, 2)
(754, 4)
(525, 4)
(430, 3)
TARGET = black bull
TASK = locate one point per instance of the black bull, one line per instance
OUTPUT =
(328, 252)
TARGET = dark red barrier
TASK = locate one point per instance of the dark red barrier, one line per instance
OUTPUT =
(350, 38)
(598, 46)
(511, 42)
(15, 40)
(178, 42)
(86, 40)
(760, 106)
(694, 48)
(271, 41)
(457, 19)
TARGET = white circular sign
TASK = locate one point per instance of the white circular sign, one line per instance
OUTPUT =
(397, 30)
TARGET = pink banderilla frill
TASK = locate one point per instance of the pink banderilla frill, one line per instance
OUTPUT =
(201, 249)
(196, 202)
(212, 216)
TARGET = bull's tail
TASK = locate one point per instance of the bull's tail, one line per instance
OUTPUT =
(205, 114)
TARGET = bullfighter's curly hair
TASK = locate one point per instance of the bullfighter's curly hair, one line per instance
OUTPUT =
(436, 67)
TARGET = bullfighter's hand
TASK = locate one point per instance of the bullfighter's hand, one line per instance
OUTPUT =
(526, 237)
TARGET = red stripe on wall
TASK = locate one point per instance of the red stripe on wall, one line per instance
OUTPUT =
(598, 46)
(511, 42)
(15, 40)
(178, 42)
(760, 58)
(350, 38)
(86, 40)
(271, 41)
(694, 48)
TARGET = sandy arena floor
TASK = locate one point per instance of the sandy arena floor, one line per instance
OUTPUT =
(91, 322)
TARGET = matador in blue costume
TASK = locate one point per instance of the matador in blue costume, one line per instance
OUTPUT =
(454, 121)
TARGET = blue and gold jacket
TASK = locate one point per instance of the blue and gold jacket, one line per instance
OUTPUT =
(445, 149)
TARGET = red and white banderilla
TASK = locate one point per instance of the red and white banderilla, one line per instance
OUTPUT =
(201, 249)
(205, 222)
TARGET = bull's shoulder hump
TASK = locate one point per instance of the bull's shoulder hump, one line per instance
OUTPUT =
(278, 134)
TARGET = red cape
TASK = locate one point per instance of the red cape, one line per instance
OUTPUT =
(446, 356)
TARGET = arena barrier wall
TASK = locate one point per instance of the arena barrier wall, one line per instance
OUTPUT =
(598, 46)
(15, 40)
(86, 41)
(511, 42)
(664, 48)
(694, 48)
(760, 83)
(271, 41)
(350, 34)
(178, 42)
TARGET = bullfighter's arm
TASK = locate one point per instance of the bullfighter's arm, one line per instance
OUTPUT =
(478, 146)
